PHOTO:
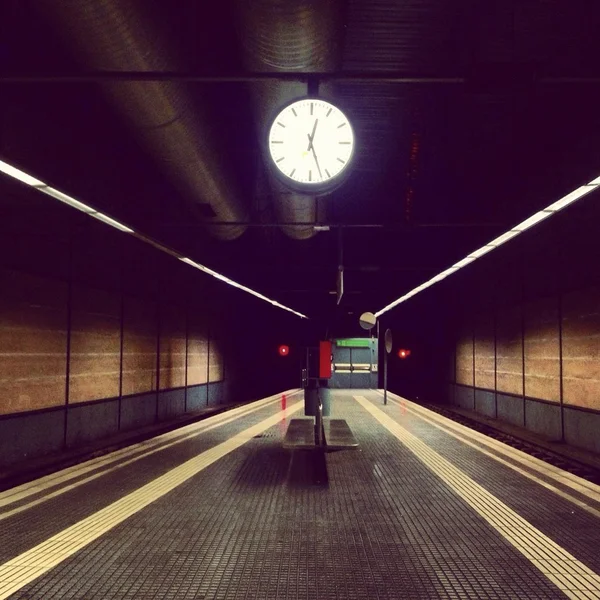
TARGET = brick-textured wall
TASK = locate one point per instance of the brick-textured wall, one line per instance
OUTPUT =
(464, 358)
(581, 348)
(535, 336)
(95, 354)
(197, 351)
(33, 342)
(542, 349)
(484, 352)
(139, 346)
(172, 348)
(509, 351)
(40, 328)
(215, 372)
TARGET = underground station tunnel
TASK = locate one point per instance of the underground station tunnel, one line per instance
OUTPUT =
(299, 299)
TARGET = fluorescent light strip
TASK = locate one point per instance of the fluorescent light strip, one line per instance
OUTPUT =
(503, 238)
(92, 212)
(481, 251)
(572, 197)
(18, 174)
(66, 199)
(534, 219)
(464, 262)
(204, 269)
(111, 222)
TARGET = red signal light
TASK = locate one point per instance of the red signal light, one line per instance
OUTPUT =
(284, 350)
(403, 353)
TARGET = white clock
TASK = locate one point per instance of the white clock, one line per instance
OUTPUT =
(311, 144)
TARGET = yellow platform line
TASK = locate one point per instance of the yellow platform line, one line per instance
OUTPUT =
(571, 576)
(138, 451)
(578, 484)
(23, 569)
(578, 502)
(32, 487)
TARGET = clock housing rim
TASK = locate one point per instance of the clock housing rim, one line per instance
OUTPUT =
(309, 189)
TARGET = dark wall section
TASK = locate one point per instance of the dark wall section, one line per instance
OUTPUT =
(422, 326)
(517, 333)
(101, 333)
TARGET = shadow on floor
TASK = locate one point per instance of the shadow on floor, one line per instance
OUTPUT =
(267, 465)
(308, 468)
(270, 464)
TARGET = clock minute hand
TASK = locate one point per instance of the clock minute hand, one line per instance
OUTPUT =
(312, 147)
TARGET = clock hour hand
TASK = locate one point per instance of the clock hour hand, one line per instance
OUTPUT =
(311, 136)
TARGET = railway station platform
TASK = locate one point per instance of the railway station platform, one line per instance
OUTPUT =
(423, 508)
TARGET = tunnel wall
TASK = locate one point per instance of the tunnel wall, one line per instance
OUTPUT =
(101, 333)
(530, 354)
(536, 365)
(515, 336)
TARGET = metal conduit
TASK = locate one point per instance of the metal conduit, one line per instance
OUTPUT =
(113, 35)
(287, 36)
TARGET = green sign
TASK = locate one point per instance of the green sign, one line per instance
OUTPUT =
(354, 343)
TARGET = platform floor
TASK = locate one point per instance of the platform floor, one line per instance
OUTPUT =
(424, 508)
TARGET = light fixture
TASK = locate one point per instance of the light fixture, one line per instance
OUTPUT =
(18, 174)
(420, 288)
(216, 275)
(66, 199)
(572, 197)
(501, 239)
(111, 222)
(92, 212)
(439, 277)
(534, 219)
(481, 251)
(464, 262)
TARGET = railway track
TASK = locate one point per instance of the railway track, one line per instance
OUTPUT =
(568, 464)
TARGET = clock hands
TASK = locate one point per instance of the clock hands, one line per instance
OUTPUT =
(311, 146)
(311, 136)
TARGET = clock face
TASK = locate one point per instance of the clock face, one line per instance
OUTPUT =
(311, 142)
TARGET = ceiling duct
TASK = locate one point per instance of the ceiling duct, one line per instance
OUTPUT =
(287, 36)
(113, 35)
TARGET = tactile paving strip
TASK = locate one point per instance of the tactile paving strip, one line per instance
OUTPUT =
(26, 529)
(265, 523)
(566, 571)
(573, 528)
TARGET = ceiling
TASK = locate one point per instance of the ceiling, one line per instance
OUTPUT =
(500, 120)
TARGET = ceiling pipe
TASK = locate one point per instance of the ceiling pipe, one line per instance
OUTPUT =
(112, 35)
(288, 36)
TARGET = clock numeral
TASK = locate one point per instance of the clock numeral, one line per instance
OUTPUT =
(294, 111)
(339, 142)
(342, 161)
(329, 112)
(280, 142)
(312, 105)
(280, 124)
(328, 173)
(310, 175)
(292, 173)
(280, 159)
(340, 126)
